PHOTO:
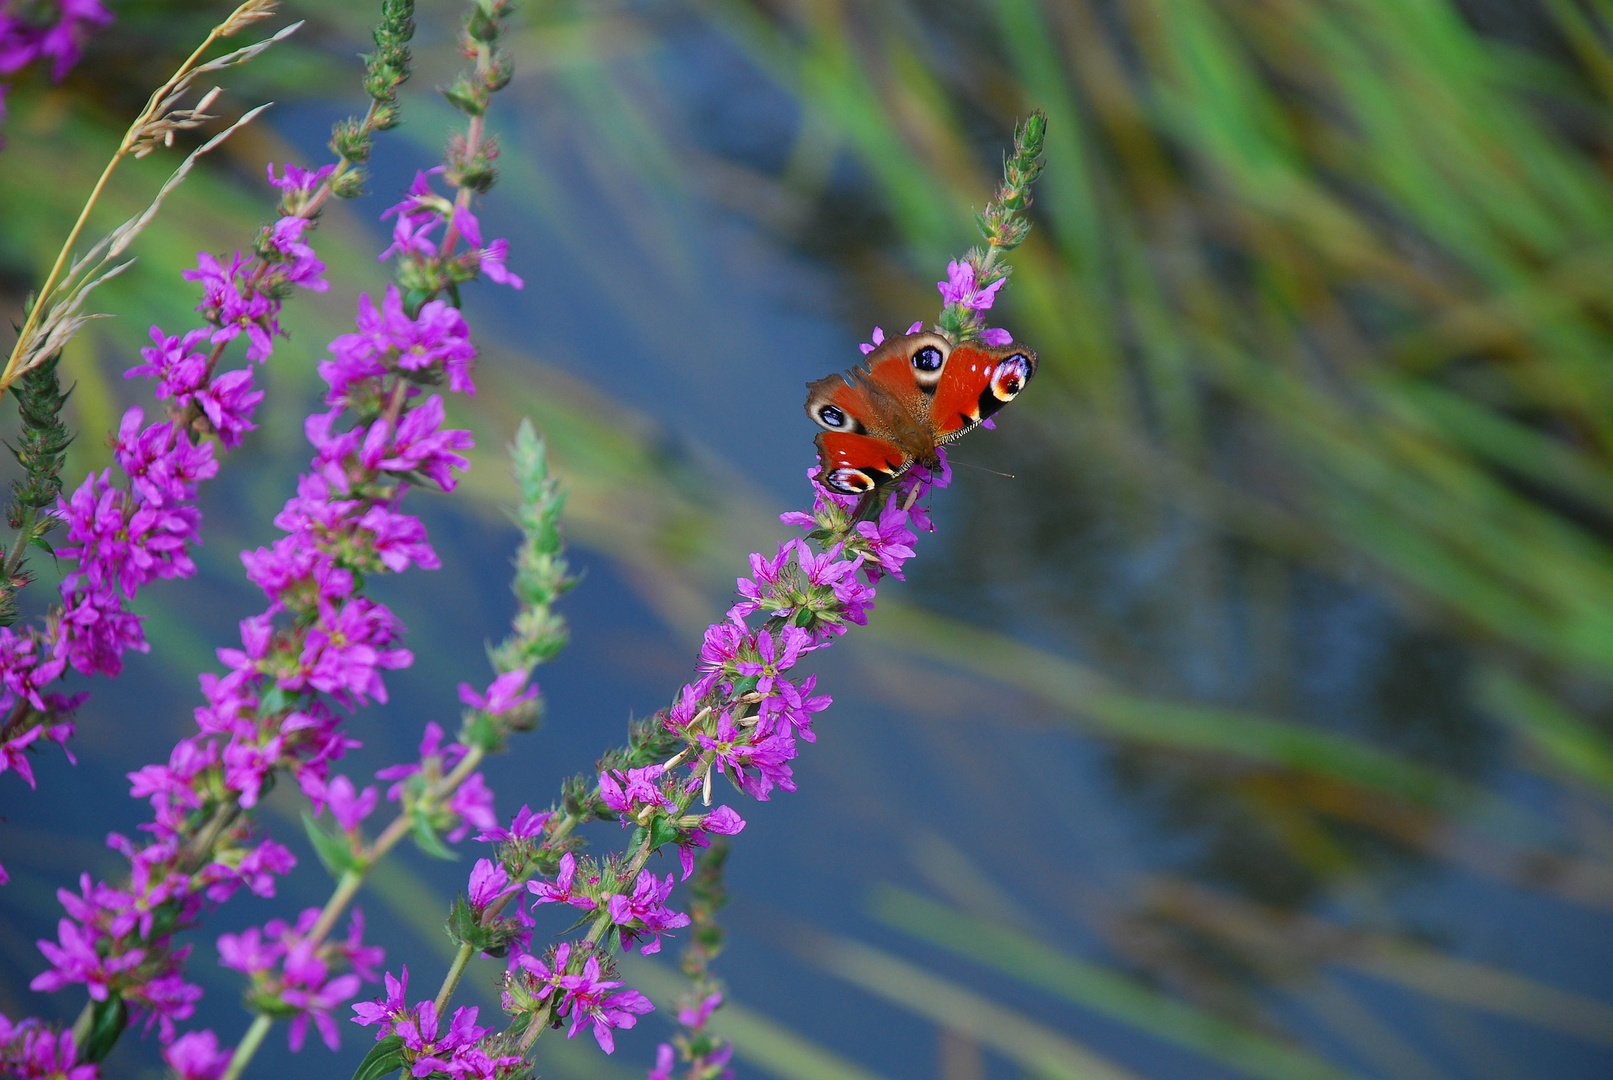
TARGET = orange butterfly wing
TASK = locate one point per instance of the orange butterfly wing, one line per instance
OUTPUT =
(977, 381)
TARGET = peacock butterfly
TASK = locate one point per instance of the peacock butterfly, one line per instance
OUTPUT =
(913, 394)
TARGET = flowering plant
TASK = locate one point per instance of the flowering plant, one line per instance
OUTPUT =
(322, 647)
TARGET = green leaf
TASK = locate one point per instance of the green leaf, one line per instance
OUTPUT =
(662, 831)
(275, 700)
(385, 1057)
(336, 852)
(106, 1024)
(464, 927)
(427, 840)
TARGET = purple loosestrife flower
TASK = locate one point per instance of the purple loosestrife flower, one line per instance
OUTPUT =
(25, 35)
(24, 672)
(37, 1054)
(249, 952)
(74, 959)
(162, 466)
(297, 264)
(645, 913)
(304, 983)
(228, 402)
(388, 1012)
(665, 1060)
(502, 696)
(697, 1016)
(430, 761)
(175, 362)
(196, 1055)
(473, 802)
(772, 660)
(593, 1000)
(411, 237)
(723, 821)
(346, 649)
(720, 649)
(488, 882)
(231, 301)
(298, 185)
(430, 1052)
(959, 287)
(879, 337)
(418, 445)
(348, 806)
(633, 792)
(525, 826)
(489, 259)
(561, 892)
(766, 577)
(890, 542)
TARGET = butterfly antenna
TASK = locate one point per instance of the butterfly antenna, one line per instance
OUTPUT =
(982, 468)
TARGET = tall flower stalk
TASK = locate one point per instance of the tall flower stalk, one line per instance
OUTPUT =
(743, 717)
(322, 647)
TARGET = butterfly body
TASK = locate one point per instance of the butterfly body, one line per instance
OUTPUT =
(913, 395)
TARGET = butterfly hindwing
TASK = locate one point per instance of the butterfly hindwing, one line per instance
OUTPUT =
(853, 464)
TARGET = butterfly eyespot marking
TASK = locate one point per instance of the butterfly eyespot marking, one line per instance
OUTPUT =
(832, 417)
(1010, 377)
(849, 481)
(927, 362)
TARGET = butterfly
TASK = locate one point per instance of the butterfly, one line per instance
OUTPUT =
(913, 394)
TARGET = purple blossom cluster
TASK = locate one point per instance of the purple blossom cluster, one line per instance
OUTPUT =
(135, 523)
(743, 717)
(128, 532)
(705, 1057)
(292, 971)
(31, 1051)
(432, 262)
(320, 647)
(32, 31)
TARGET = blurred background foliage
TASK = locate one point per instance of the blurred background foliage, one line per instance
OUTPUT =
(1263, 726)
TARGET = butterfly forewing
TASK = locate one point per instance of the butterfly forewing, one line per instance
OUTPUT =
(976, 382)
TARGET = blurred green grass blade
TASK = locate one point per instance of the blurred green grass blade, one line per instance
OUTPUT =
(1096, 987)
(1574, 746)
(1503, 441)
(765, 1044)
(1296, 941)
(1029, 1045)
(1197, 727)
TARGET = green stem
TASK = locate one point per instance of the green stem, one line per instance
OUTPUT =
(450, 981)
(24, 535)
(81, 1025)
(248, 1046)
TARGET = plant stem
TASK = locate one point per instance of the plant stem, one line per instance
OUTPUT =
(129, 136)
(248, 1046)
(450, 981)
